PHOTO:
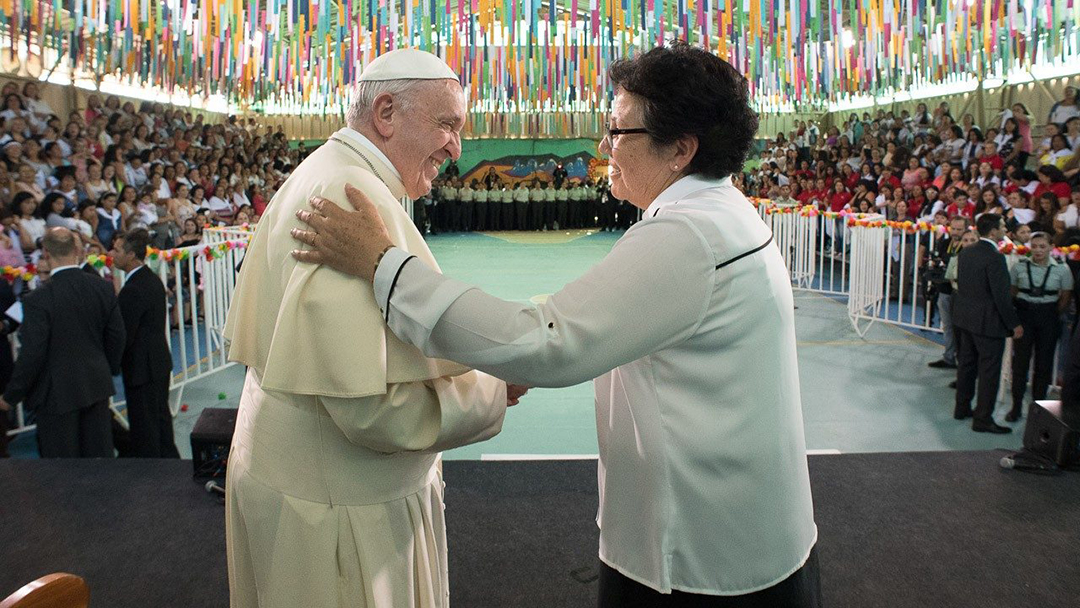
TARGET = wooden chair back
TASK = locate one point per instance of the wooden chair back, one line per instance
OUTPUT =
(59, 590)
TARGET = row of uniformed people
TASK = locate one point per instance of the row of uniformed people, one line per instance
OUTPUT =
(455, 207)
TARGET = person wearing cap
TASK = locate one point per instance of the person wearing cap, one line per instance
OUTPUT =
(703, 482)
(334, 492)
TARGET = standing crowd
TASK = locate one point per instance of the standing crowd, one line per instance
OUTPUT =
(494, 203)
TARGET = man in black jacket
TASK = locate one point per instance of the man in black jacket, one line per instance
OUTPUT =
(983, 315)
(71, 341)
(147, 361)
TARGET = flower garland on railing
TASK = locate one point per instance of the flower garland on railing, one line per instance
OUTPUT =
(1072, 252)
(208, 252)
(99, 261)
(804, 210)
(907, 226)
(12, 273)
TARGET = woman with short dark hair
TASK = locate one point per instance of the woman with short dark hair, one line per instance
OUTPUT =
(705, 496)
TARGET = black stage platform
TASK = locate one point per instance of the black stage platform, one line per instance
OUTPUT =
(896, 530)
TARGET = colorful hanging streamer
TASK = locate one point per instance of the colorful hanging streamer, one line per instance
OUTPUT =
(526, 65)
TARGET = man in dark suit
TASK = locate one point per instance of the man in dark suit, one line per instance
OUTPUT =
(147, 361)
(72, 337)
(983, 316)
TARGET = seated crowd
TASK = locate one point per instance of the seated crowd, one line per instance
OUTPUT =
(111, 167)
(929, 166)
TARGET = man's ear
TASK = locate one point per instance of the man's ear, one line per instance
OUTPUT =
(383, 112)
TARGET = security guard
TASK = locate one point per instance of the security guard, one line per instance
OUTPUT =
(1041, 288)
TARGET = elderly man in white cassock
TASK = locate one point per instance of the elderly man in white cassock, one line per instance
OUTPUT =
(334, 491)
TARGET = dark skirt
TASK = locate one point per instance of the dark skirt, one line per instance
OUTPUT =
(800, 590)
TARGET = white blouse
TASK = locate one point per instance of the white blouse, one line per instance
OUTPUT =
(702, 472)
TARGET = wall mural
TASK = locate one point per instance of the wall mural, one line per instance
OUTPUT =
(525, 159)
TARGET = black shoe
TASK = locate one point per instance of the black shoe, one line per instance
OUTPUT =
(990, 427)
(952, 384)
(941, 364)
(1013, 416)
(962, 416)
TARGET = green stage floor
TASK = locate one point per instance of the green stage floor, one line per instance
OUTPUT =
(859, 395)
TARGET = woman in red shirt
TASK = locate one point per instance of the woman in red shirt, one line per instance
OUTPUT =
(259, 202)
(1051, 179)
(915, 200)
(839, 198)
(849, 176)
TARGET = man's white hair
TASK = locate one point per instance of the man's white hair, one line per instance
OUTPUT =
(365, 92)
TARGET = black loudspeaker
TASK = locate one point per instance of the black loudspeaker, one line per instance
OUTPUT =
(210, 442)
(1053, 433)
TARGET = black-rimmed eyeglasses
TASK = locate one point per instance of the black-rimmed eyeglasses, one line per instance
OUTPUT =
(613, 132)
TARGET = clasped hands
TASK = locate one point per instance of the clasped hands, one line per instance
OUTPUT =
(352, 242)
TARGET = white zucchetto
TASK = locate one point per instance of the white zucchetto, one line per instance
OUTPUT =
(407, 64)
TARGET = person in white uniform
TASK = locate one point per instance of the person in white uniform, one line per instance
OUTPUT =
(704, 492)
(334, 489)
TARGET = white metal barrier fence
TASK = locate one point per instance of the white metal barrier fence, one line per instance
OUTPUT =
(815, 245)
(866, 286)
(199, 282)
(892, 275)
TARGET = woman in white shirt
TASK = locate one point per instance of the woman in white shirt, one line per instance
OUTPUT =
(221, 205)
(55, 216)
(1018, 207)
(704, 491)
(1072, 132)
(240, 198)
(1068, 107)
(40, 109)
(96, 185)
(181, 206)
(31, 224)
(14, 108)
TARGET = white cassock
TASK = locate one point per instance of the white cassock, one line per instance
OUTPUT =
(334, 490)
(688, 328)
